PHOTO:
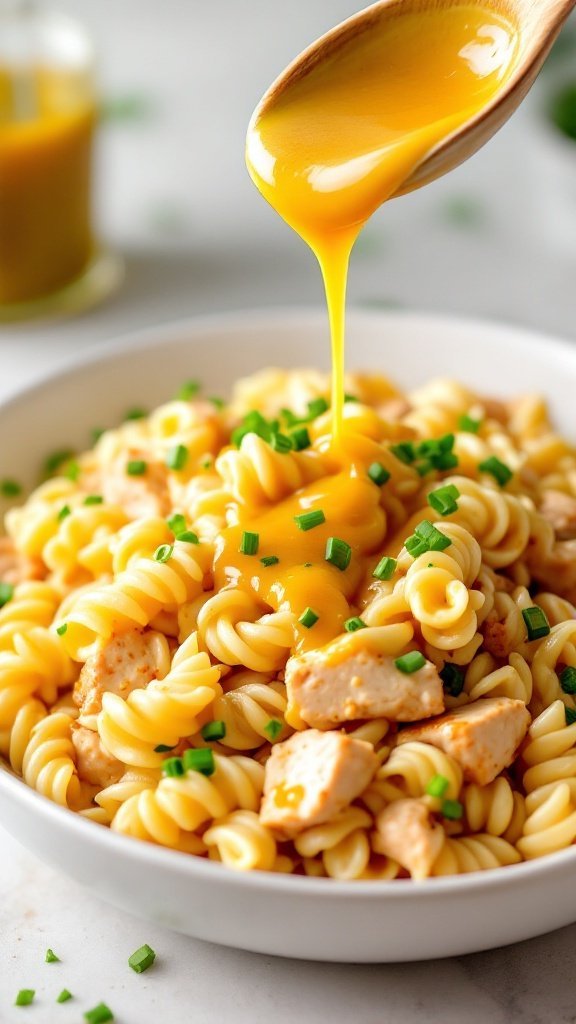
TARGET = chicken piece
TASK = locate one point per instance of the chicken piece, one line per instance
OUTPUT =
(138, 496)
(311, 777)
(364, 685)
(406, 832)
(95, 765)
(482, 737)
(560, 511)
(15, 567)
(558, 571)
(127, 661)
(394, 409)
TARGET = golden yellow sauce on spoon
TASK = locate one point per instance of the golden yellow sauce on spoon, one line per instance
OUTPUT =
(341, 138)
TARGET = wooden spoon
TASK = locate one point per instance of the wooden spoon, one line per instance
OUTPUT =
(539, 23)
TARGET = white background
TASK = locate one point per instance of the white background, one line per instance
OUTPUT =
(175, 199)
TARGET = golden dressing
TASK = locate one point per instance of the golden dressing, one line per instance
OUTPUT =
(345, 137)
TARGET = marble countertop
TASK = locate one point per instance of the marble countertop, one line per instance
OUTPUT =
(497, 238)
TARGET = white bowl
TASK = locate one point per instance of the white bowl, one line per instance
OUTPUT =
(290, 916)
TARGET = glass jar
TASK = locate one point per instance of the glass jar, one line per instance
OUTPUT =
(49, 259)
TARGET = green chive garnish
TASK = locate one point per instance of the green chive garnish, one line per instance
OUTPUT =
(378, 474)
(51, 957)
(338, 553)
(6, 593)
(568, 679)
(273, 729)
(163, 553)
(468, 424)
(136, 467)
(189, 389)
(173, 767)
(93, 499)
(570, 715)
(281, 443)
(177, 457)
(350, 398)
(217, 402)
(213, 730)
(96, 434)
(437, 786)
(136, 414)
(385, 569)
(426, 538)
(411, 662)
(308, 520)
(25, 997)
(101, 1014)
(499, 470)
(63, 513)
(270, 560)
(163, 749)
(453, 679)
(249, 543)
(443, 500)
(142, 959)
(10, 488)
(201, 760)
(316, 407)
(308, 618)
(452, 809)
(62, 629)
(176, 523)
(536, 622)
(354, 624)
(54, 461)
(404, 451)
(72, 471)
(300, 439)
(64, 996)
(188, 537)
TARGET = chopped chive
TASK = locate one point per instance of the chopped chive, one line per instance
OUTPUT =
(568, 679)
(163, 749)
(270, 560)
(101, 1014)
(378, 474)
(385, 569)
(51, 957)
(56, 459)
(163, 553)
(338, 553)
(10, 488)
(570, 715)
(443, 500)
(142, 959)
(136, 467)
(291, 419)
(253, 423)
(217, 402)
(423, 467)
(411, 662)
(452, 678)
(354, 624)
(72, 471)
(62, 629)
(188, 537)
(93, 499)
(206, 463)
(437, 786)
(173, 767)
(316, 407)
(404, 451)
(308, 520)
(177, 457)
(452, 809)
(436, 453)
(249, 543)
(177, 523)
(135, 414)
(63, 513)
(25, 997)
(350, 398)
(281, 443)
(308, 618)
(468, 424)
(6, 593)
(536, 622)
(188, 390)
(426, 538)
(300, 439)
(213, 730)
(273, 729)
(499, 470)
(64, 996)
(96, 434)
(201, 760)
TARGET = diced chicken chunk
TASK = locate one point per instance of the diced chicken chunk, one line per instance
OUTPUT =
(558, 571)
(127, 661)
(95, 765)
(138, 496)
(482, 737)
(560, 511)
(364, 685)
(15, 567)
(312, 776)
(406, 832)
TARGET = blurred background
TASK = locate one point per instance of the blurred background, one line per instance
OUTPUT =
(177, 83)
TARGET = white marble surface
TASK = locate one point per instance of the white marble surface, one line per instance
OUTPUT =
(176, 200)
